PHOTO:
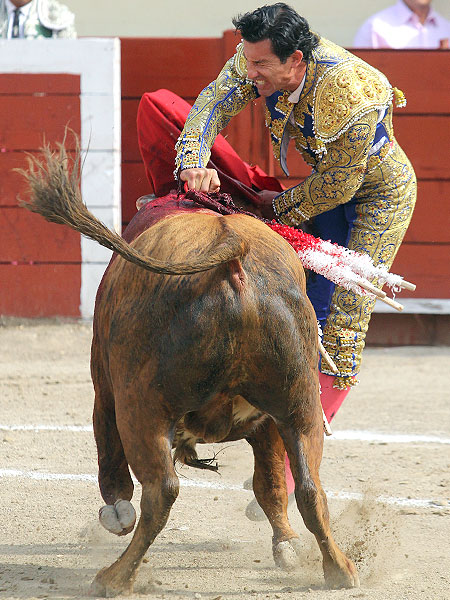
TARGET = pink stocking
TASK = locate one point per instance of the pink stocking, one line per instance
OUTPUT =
(331, 399)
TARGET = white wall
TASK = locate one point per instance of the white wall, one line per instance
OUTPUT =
(97, 61)
(337, 20)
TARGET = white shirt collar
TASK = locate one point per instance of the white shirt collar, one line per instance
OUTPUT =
(407, 14)
(25, 10)
(295, 96)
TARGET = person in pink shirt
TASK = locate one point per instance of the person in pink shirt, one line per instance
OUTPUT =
(407, 24)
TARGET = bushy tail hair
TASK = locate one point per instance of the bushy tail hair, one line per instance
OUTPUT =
(54, 185)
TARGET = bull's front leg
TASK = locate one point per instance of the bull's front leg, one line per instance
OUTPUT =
(269, 487)
(147, 445)
(156, 501)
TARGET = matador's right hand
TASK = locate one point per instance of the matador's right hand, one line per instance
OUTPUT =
(202, 180)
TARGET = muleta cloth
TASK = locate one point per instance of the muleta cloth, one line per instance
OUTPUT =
(372, 222)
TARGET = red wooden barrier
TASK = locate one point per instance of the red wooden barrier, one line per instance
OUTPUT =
(40, 263)
(186, 65)
(40, 290)
(419, 73)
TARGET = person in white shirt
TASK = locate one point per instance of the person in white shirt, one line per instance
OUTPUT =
(35, 19)
(407, 24)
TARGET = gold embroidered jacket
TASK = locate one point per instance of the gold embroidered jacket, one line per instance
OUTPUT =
(342, 126)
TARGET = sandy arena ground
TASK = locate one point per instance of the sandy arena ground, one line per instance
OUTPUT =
(386, 471)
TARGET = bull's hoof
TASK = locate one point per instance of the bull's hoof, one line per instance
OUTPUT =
(339, 576)
(105, 587)
(254, 512)
(118, 518)
(248, 483)
(285, 554)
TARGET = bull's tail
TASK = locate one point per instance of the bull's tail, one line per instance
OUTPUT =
(55, 194)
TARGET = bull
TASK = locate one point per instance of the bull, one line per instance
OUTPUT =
(202, 333)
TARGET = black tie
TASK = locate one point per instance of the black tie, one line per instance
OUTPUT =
(15, 27)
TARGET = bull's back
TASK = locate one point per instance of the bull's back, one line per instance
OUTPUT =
(183, 236)
(219, 323)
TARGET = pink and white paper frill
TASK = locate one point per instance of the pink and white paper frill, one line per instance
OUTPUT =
(349, 269)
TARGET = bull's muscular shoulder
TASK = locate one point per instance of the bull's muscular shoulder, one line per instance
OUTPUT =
(345, 92)
(240, 62)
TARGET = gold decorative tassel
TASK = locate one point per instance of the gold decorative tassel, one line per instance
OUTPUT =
(342, 383)
(399, 98)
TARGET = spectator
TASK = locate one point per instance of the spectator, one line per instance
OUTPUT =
(407, 24)
(35, 19)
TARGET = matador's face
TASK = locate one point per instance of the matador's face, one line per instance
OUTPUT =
(268, 72)
(20, 3)
(417, 4)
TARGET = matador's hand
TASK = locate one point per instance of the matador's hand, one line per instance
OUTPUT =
(264, 204)
(202, 180)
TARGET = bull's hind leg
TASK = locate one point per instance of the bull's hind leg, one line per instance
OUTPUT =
(146, 441)
(305, 453)
(116, 486)
(269, 487)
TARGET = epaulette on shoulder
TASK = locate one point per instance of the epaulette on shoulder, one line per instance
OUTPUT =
(346, 92)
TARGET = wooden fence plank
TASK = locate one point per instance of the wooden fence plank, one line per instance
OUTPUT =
(22, 119)
(28, 237)
(418, 73)
(183, 65)
(40, 262)
(424, 140)
(130, 146)
(34, 84)
(40, 290)
(396, 329)
(12, 184)
(427, 266)
(431, 218)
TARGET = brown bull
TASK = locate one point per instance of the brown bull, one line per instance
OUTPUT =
(223, 346)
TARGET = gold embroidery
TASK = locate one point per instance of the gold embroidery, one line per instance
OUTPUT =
(356, 88)
(399, 96)
(240, 62)
(383, 212)
(277, 124)
(277, 128)
(204, 122)
(337, 177)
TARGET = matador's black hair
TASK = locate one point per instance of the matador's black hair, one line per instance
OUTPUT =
(280, 24)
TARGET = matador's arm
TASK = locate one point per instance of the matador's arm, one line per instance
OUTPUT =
(217, 103)
(336, 178)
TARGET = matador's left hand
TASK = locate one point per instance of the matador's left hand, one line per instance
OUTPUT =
(264, 206)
